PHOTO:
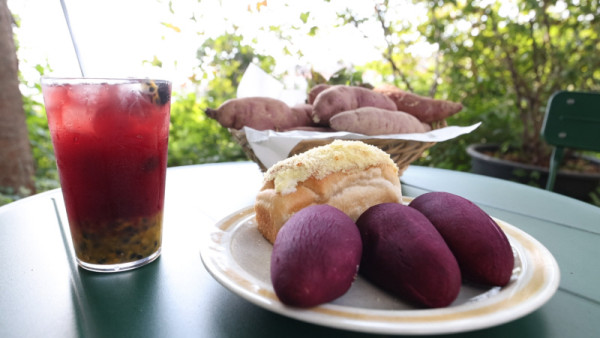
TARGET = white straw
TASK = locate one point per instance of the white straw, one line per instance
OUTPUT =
(73, 40)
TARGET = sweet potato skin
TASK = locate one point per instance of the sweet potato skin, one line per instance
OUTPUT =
(321, 129)
(260, 113)
(303, 113)
(424, 108)
(316, 90)
(341, 98)
(376, 121)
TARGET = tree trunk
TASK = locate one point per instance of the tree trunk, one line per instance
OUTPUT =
(16, 159)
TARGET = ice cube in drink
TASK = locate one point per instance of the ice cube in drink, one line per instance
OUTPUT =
(110, 140)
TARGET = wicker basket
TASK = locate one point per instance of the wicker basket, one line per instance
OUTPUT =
(403, 152)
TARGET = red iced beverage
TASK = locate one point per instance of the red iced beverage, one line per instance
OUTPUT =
(110, 140)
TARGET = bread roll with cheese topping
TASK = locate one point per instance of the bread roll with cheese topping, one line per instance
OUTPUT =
(349, 175)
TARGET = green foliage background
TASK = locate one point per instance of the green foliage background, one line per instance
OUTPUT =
(503, 68)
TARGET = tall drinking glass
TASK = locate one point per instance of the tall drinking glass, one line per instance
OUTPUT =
(110, 139)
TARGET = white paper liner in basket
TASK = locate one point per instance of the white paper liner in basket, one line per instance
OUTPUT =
(270, 146)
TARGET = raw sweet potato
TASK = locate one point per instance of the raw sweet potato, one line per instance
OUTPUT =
(261, 113)
(304, 113)
(314, 91)
(424, 108)
(339, 98)
(322, 129)
(376, 121)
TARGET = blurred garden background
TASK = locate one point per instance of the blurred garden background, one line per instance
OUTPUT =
(501, 59)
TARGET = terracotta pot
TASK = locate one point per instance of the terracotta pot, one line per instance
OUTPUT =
(569, 183)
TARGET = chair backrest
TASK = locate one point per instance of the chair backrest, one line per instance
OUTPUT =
(573, 120)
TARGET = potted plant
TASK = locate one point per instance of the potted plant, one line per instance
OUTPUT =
(507, 59)
(501, 59)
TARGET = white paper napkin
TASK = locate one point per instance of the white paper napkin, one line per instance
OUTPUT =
(270, 146)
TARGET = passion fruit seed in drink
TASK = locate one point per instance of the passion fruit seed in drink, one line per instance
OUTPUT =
(118, 241)
(159, 93)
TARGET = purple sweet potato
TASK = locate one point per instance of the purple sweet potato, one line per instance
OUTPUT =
(339, 98)
(479, 245)
(377, 121)
(405, 255)
(261, 113)
(315, 256)
(424, 108)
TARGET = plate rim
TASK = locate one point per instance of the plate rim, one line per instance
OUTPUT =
(220, 264)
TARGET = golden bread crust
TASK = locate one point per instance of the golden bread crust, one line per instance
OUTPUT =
(352, 191)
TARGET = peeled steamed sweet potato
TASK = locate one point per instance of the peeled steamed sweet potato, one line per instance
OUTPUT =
(480, 246)
(339, 98)
(424, 108)
(405, 255)
(315, 256)
(377, 121)
(260, 113)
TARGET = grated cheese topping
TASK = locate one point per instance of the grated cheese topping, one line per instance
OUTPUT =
(340, 155)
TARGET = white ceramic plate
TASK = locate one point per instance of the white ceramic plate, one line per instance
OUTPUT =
(238, 257)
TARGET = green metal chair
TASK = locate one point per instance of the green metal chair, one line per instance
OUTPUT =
(572, 121)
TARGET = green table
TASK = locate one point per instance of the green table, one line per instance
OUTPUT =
(44, 294)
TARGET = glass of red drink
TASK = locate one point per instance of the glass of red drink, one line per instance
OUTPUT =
(110, 139)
